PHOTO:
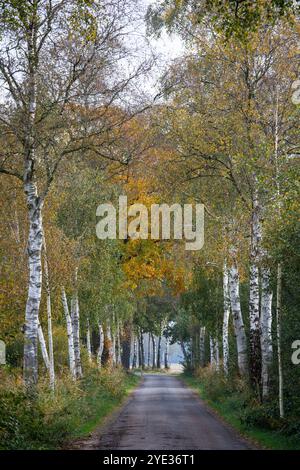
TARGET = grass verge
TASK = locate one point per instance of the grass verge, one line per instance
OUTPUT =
(230, 407)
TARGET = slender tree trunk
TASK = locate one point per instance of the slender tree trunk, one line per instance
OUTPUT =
(134, 358)
(153, 352)
(69, 333)
(101, 344)
(167, 354)
(212, 352)
(108, 346)
(239, 329)
(49, 317)
(255, 254)
(217, 354)
(266, 330)
(88, 341)
(34, 250)
(34, 205)
(119, 355)
(43, 346)
(202, 346)
(76, 333)
(126, 340)
(149, 350)
(279, 266)
(226, 314)
(158, 362)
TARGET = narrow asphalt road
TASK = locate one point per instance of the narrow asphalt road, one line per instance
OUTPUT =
(163, 414)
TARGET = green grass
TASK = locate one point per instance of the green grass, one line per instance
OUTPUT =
(229, 408)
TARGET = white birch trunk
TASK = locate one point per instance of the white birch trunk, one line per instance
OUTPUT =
(153, 352)
(43, 345)
(49, 319)
(101, 345)
(202, 346)
(167, 354)
(88, 341)
(110, 344)
(134, 357)
(212, 352)
(255, 255)
(217, 354)
(34, 250)
(239, 329)
(69, 333)
(119, 359)
(226, 314)
(266, 330)
(278, 333)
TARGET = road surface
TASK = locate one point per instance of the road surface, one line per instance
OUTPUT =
(164, 414)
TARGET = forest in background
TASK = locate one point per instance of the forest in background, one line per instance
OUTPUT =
(78, 129)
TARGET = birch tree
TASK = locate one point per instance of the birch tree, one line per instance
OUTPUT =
(226, 313)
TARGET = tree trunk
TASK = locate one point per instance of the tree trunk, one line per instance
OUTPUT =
(49, 318)
(158, 362)
(217, 354)
(119, 355)
(149, 350)
(202, 346)
(69, 333)
(126, 339)
(108, 346)
(212, 352)
(88, 341)
(43, 346)
(134, 358)
(255, 254)
(239, 329)
(266, 330)
(153, 352)
(34, 250)
(76, 334)
(226, 314)
(278, 332)
(101, 345)
(141, 351)
(167, 354)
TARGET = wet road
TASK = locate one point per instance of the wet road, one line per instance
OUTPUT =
(164, 414)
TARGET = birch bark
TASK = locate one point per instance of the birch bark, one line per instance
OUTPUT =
(69, 333)
(43, 345)
(88, 341)
(101, 345)
(202, 346)
(134, 357)
(153, 352)
(76, 334)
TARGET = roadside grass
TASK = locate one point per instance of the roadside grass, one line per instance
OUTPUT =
(231, 407)
(48, 421)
